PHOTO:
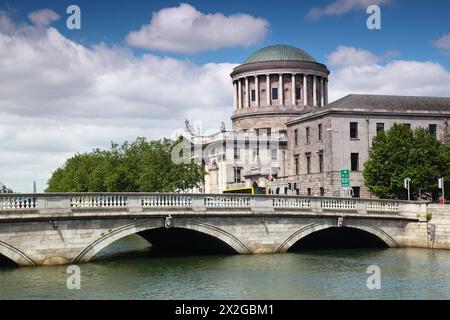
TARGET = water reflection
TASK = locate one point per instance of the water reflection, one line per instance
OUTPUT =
(319, 274)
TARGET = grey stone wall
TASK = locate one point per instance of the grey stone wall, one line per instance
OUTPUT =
(439, 226)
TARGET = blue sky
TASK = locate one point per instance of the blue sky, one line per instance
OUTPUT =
(408, 26)
(128, 73)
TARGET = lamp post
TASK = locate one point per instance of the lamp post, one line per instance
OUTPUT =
(406, 182)
(342, 147)
(441, 186)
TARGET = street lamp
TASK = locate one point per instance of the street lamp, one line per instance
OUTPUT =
(342, 146)
(406, 182)
(441, 186)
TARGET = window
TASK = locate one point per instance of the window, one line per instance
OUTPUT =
(308, 191)
(298, 93)
(237, 153)
(274, 93)
(356, 192)
(432, 129)
(308, 163)
(321, 161)
(353, 130)
(255, 155)
(296, 136)
(320, 131)
(237, 175)
(296, 165)
(408, 125)
(274, 154)
(355, 161)
(380, 126)
(308, 135)
(322, 191)
(253, 93)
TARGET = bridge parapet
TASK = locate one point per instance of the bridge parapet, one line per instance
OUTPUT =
(154, 202)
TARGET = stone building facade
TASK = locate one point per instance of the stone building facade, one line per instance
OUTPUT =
(285, 133)
(340, 137)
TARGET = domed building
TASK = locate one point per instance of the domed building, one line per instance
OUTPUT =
(287, 138)
(275, 85)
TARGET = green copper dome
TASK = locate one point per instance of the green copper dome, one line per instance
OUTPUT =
(279, 52)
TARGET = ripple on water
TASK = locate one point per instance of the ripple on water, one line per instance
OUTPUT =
(322, 274)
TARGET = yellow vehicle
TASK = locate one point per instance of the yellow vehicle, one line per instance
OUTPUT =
(247, 190)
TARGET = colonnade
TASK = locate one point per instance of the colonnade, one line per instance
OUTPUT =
(304, 90)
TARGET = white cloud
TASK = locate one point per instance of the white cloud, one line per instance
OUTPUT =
(6, 24)
(443, 43)
(397, 77)
(58, 97)
(340, 7)
(184, 29)
(43, 17)
(349, 56)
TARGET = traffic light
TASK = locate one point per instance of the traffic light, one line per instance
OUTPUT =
(295, 185)
(290, 186)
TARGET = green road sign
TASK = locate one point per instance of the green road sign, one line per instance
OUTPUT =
(345, 178)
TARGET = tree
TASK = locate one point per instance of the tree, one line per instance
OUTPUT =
(140, 166)
(400, 153)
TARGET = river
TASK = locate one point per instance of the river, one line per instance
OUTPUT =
(319, 274)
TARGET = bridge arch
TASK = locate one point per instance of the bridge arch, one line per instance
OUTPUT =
(318, 226)
(15, 255)
(137, 227)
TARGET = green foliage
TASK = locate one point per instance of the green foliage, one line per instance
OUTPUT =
(140, 166)
(400, 153)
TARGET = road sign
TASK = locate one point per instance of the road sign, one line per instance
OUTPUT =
(406, 182)
(345, 178)
(441, 182)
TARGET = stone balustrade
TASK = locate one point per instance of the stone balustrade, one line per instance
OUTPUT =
(98, 201)
(17, 202)
(147, 202)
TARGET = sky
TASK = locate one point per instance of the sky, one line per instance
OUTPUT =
(140, 68)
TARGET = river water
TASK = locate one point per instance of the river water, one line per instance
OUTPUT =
(319, 274)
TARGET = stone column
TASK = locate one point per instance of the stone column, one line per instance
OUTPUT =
(247, 95)
(239, 94)
(305, 91)
(293, 90)
(314, 90)
(280, 89)
(257, 90)
(234, 95)
(326, 91)
(268, 88)
(322, 92)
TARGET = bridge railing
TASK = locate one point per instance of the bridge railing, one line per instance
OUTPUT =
(147, 202)
(17, 202)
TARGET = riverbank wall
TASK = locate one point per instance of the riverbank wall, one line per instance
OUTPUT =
(438, 227)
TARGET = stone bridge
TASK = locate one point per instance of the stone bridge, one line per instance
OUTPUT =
(47, 229)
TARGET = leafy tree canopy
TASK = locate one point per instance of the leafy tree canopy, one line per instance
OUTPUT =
(140, 166)
(400, 153)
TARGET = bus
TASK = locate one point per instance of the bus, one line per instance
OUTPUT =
(247, 190)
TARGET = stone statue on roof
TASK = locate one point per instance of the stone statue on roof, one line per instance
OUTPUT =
(189, 127)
